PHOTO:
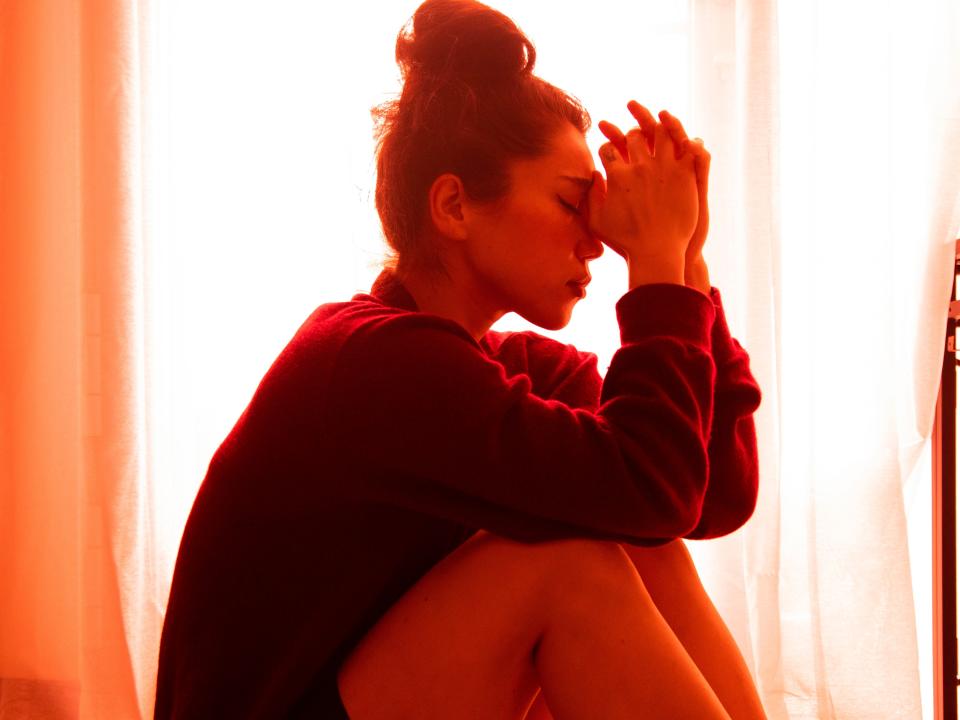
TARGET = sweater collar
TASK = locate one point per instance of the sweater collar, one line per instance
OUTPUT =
(388, 288)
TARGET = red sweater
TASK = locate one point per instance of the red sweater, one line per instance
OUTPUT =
(383, 437)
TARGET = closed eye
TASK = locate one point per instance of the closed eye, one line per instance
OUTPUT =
(568, 206)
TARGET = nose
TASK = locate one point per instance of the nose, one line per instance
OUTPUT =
(590, 246)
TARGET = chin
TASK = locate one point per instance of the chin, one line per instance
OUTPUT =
(555, 318)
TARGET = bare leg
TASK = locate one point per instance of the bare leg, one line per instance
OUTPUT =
(671, 578)
(480, 632)
(618, 653)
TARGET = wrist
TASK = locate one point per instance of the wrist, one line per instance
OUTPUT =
(648, 271)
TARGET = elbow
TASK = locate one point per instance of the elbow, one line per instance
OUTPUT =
(692, 523)
(745, 511)
(739, 516)
(731, 503)
(722, 519)
(691, 509)
(745, 502)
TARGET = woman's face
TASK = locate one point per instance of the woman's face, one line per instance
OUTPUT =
(523, 255)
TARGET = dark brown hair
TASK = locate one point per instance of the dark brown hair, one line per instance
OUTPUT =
(470, 104)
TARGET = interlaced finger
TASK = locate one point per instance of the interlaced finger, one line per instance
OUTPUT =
(615, 136)
(646, 121)
(609, 156)
(677, 133)
(638, 150)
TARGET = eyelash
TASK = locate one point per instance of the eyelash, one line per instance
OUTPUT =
(570, 207)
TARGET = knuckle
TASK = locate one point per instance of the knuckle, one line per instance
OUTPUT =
(608, 152)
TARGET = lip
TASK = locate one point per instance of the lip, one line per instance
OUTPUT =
(578, 288)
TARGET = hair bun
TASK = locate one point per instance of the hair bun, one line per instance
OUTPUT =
(464, 39)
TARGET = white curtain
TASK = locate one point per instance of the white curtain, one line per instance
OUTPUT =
(79, 615)
(183, 183)
(835, 132)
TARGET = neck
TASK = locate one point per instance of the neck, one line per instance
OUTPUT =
(457, 298)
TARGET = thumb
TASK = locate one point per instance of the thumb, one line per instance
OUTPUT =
(596, 196)
(598, 189)
(702, 167)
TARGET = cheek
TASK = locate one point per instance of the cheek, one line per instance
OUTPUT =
(521, 232)
(530, 238)
(547, 225)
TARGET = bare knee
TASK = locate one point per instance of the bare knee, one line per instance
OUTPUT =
(573, 563)
(465, 635)
(581, 580)
(583, 564)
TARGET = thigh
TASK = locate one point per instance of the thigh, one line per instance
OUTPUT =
(667, 572)
(459, 643)
(539, 710)
(653, 560)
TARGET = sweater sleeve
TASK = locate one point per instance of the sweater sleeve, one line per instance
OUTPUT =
(731, 495)
(561, 371)
(433, 425)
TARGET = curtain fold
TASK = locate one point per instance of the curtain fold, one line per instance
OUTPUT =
(836, 190)
(736, 85)
(835, 202)
(76, 637)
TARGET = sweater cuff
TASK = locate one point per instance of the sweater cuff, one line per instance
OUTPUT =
(659, 309)
(721, 341)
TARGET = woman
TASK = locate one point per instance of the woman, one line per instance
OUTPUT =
(419, 517)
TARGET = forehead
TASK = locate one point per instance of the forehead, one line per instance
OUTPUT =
(568, 155)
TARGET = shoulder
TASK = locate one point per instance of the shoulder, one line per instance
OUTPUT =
(499, 340)
(363, 321)
(534, 348)
(408, 347)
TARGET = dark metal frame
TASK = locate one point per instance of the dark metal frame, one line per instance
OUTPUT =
(944, 465)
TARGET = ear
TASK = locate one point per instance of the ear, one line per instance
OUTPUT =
(445, 199)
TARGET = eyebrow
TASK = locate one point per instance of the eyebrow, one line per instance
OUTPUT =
(581, 181)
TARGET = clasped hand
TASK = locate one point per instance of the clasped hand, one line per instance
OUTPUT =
(683, 145)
